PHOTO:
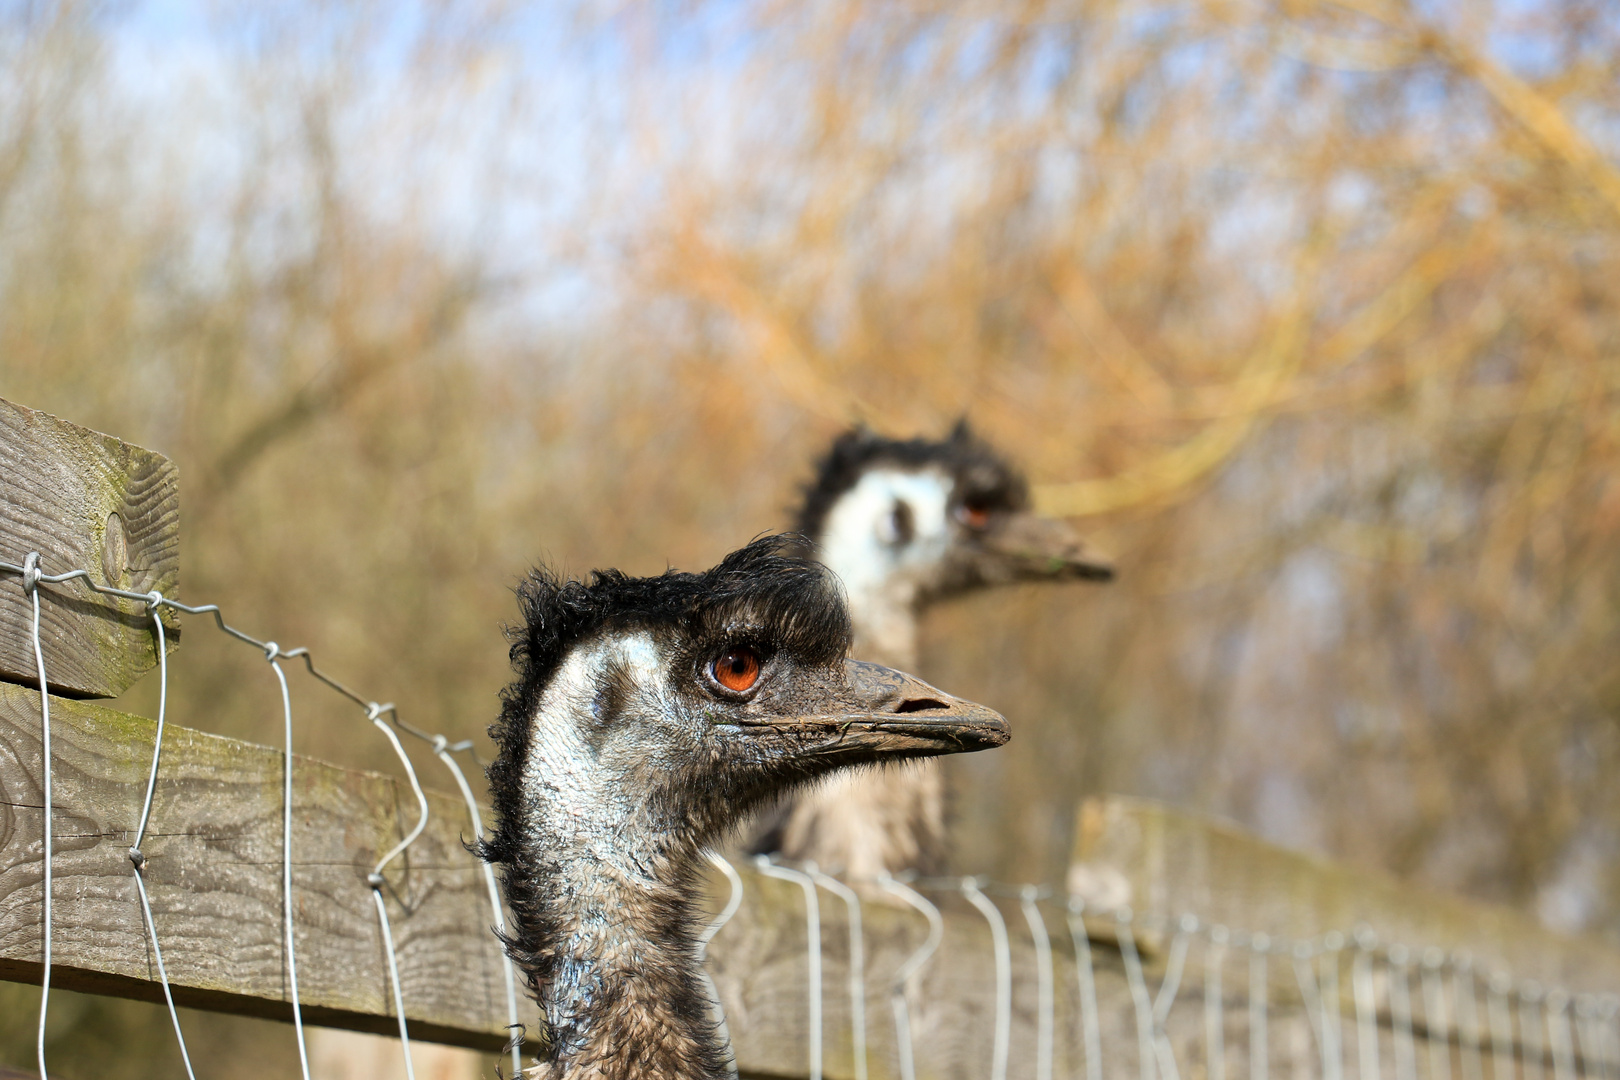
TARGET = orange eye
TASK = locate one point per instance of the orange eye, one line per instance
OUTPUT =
(973, 515)
(737, 670)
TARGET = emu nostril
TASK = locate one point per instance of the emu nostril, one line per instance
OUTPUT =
(920, 705)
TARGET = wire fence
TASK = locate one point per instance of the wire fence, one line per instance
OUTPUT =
(1213, 1002)
(31, 579)
(1206, 1000)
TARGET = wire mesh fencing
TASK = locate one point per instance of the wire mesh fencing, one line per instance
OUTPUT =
(1048, 987)
(383, 716)
(951, 977)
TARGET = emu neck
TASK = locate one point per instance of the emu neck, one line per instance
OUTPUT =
(622, 998)
(603, 927)
(608, 946)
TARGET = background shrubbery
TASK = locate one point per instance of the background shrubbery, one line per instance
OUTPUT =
(1309, 311)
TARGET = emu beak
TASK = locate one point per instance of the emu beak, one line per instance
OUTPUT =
(1027, 547)
(888, 713)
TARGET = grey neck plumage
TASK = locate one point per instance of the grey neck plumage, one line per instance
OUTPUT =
(622, 997)
(606, 933)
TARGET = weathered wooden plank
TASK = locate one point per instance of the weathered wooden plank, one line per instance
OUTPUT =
(214, 875)
(1148, 856)
(84, 501)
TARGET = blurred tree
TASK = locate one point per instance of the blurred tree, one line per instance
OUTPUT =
(1310, 310)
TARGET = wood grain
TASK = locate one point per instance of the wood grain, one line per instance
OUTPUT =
(84, 501)
(214, 875)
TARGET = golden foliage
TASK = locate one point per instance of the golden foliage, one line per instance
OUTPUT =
(1312, 310)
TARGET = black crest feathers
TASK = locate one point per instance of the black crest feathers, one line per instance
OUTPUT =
(980, 473)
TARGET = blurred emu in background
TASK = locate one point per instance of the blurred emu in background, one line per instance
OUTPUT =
(905, 524)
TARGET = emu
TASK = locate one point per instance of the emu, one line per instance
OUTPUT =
(905, 524)
(649, 716)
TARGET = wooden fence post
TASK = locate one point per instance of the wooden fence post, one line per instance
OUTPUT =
(84, 501)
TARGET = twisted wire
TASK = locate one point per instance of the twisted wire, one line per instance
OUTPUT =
(272, 654)
(1090, 1027)
(857, 964)
(1214, 1003)
(1126, 936)
(1259, 1006)
(443, 750)
(1305, 976)
(1168, 987)
(393, 977)
(1400, 1011)
(1361, 991)
(31, 577)
(1003, 952)
(1563, 1052)
(1531, 1026)
(1045, 1006)
(1332, 1034)
(137, 857)
(733, 902)
(1584, 1038)
(912, 965)
(1501, 1026)
(1434, 1016)
(376, 880)
(1462, 990)
(812, 918)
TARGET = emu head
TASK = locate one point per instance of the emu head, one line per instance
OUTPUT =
(925, 519)
(650, 714)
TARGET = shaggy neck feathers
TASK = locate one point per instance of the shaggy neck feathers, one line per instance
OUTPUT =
(604, 929)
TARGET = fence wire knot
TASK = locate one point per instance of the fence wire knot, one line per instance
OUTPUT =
(31, 573)
(271, 651)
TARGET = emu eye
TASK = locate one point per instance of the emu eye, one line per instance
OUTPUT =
(736, 669)
(973, 513)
